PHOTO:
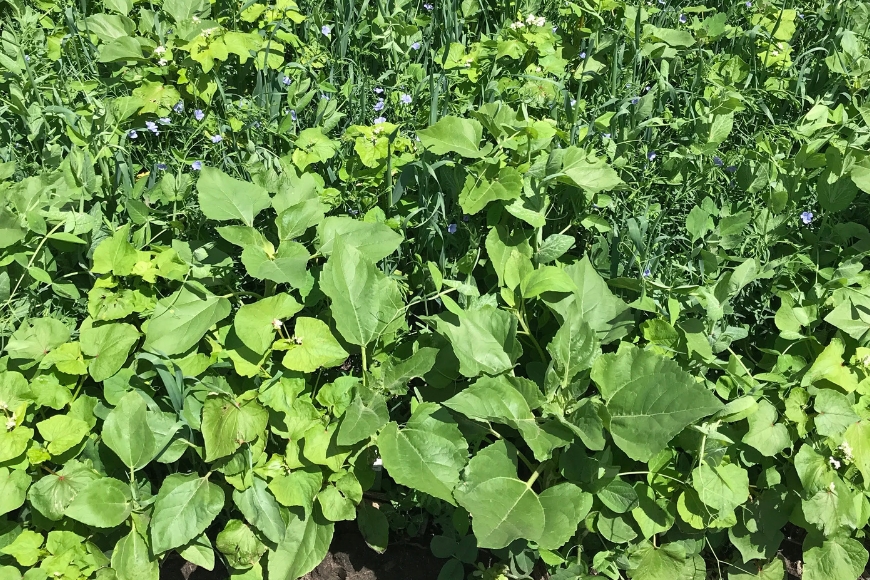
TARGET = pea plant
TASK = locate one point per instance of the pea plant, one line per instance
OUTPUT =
(564, 289)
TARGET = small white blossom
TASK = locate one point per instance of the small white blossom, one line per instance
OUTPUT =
(160, 50)
(517, 25)
(378, 464)
(835, 462)
(162, 62)
(195, 19)
(10, 423)
(846, 449)
(832, 487)
(277, 324)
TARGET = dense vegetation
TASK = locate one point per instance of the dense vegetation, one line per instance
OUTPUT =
(575, 286)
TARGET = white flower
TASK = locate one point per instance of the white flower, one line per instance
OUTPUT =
(541, 21)
(835, 462)
(530, 18)
(10, 423)
(276, 324)
(832, 487)
(195, 19)
(517, 25)
(160, 50)
(162, 62)
(847, 451)
(208, 32)
(378, 464)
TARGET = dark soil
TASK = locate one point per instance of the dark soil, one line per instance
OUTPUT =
(349, 558)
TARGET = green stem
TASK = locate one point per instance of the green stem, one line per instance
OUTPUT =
(535, 475)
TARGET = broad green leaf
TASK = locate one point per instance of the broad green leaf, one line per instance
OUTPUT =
(504, 509)
(183, 510)
(618, 495)
(651, 563)
(120, 49)
(104, 503)
(199, 551)
(321, 447)
(305, 544)
(375, 241)
(285, 266)
(836, 192)
(255, 324)
(857, 437)
(765, 434)
(11, 231)
(546, 279)
(312, 347)
(773, 570)
(574, 347)
(721, 488)
(227, 424)
(603, 311)
(313, 146)
(484, 340)
(365, 302)
(181, 320)
(115, 255)
(62, 432)
(453, 135)
(335, 505)
(36, 338)
(565, 506)
(131, 559)
(510, 255)
(427, 454)
(297, 488)
(397, 374)
(835, 414)
(835, 558)
(25, 548)
(13, 489)
(553, 247)
(590, 174)
(649, 398)
(222, 197)
(184, 10)
(366, 414)
(13, 443)
(108, 345)
(14, 390)
(831, 509)
(829, 366)
(261, 510)
(374, 527)
(240, 545)
(297, 218)
(53, 493)
(493, 184)
(127, 433)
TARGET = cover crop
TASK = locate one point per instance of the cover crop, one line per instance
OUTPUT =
(580, 285)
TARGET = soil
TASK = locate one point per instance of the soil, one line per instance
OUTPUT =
(349, 558)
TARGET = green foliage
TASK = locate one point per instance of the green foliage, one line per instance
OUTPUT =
(591, 293)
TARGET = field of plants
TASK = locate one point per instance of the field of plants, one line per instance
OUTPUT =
(562, 289)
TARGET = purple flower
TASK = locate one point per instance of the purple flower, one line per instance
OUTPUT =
(717, 161)
(749, 4)
(651, 155)
(807, 217)
(646, 89)
(132, 134)
(683, 18)
(465, 217)
(286, 80)
(293, 114)
(428, 7)
(196, 165)
(380, 120)
(555, 28)
(324, 96)
(164, 120)
(378, 90)
(161, 166)
(451, 229)
(26, 58)
(326, 30)
(606, 135)
(415, 46)
(634, 100)
(216, 138)
(198, 115)
(178, 107)
(646, 272)
(731, 168)
(406, 98)
(582, 55)
(152, 126)
(379, 106)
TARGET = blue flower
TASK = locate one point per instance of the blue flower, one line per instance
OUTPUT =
(582, 55)
(132, 134)
(606, 135)
(26, 58)
(379, 106)
(451, 229)
(651, 155)
(161, 166)
(634, 100)
(324, 96)
(731, 168)
(406, 98)
(164, 120)
(807, 217)
(286, 80)
(152, 126)
(717, 161)
(573, 102)
(465, 217)
(326, 30)
(196, 165)
(379, 120)
(216, 138)
(646, 273)
(428, 7)
(749, 4)
(178, 107)
(198, 115)
(415, 46)
(293, 114)
(378, 90)
(683, 18)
